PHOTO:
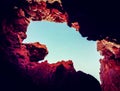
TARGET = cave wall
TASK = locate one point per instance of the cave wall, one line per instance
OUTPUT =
(19, 62)
(19, 67)
(110, 65)
(99, 20)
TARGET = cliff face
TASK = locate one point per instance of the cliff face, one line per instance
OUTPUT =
(19, 65)
(110, 65)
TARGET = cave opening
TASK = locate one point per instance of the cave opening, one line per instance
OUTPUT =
(65, 43)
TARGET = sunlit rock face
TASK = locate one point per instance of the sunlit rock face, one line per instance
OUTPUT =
(19, 67)
(110, 65)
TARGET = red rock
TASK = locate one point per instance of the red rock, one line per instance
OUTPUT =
(37, 51)
(76, 26)
(110, 65)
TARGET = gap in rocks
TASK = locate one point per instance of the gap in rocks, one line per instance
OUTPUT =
(65, 43)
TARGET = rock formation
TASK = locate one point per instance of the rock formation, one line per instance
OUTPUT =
(19, 65)
(110, 65)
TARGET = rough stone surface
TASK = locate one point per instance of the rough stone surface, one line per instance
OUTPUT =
(110, 65)
(37, 51)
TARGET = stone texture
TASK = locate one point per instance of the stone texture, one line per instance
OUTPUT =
(37, 51)
(110, 65)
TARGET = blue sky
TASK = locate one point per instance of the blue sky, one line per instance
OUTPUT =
(65, 43)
